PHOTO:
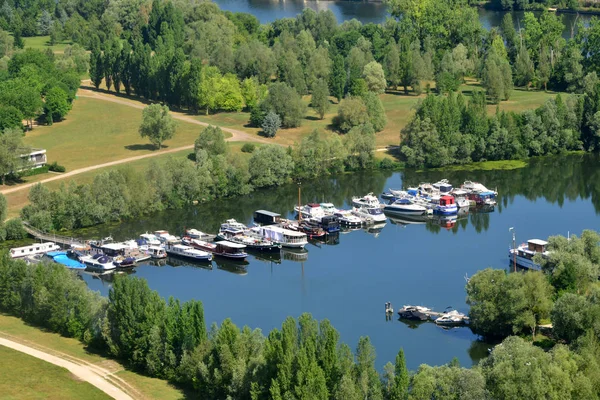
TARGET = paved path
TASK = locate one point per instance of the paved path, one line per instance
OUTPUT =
(93, 375)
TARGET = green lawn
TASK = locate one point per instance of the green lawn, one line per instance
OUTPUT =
(43, 43)
(15, 329)
(26, 377)
(97, 131)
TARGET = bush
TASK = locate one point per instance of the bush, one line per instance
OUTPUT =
(33, 171)
(271, 124)
(257, 116)
(248, 148)
(54, 167)
(14, 229)
(387, 163)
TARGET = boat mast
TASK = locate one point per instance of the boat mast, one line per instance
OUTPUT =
(299, 203)
(511, 229)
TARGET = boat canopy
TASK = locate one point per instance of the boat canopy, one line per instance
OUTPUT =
(115, 246)
(539, 242)
(487, 194)
(231, 245)
(446, 200)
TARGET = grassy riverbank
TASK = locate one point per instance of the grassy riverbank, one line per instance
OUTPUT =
(28, 377)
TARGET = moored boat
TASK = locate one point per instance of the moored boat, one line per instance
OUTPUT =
(61, 257)
(417, 313)
(166, 238)
(369, 214)
(451, 318)
(348, 219)
(523, 255)
(38, 248)
(156, 252)
(405, 207)
(443, 186)
(184, 251)
(237, 232)
(98, 261)
(460, 198)
(222, 248)
(368, 200)
(445, 206)
(286, 237)
(472, 187)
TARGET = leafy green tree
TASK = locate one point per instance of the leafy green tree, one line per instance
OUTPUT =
(271, 124)
(212, 140)
(399, 387)
(337, 79)
(96, 67)
(230, 94)
(447, 382)
(524, 71)
(570, 317)
(56, 105)
(570, 68)
(10, 117)
(270, 166)
(320, 97)
(497, 78)
(157, 124)
(252, 92)
(544, 68)
(375, 111)
(391, 64)
(374, 77)
(284, 101)
(6, 44)
(13, 227)
(351, 112)
(360, 145)
(365, 373)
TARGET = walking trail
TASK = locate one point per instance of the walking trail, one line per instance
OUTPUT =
(101, 378)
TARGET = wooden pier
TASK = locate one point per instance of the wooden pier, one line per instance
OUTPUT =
(51, 237)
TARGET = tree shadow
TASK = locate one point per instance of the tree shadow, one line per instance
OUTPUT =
(145, 146)
(312, 118)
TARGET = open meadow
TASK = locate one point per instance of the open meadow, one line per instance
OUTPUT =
(43, 43)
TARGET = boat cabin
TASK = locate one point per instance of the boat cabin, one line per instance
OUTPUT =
(265, 217)
(114, 249)
(328, 208)
(443, 186)
(225, 247)
(330, 223)
(446, 200)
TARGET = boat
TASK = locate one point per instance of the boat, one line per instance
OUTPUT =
(182, 250)
(264, 217)
(38, 248)
(149, 239)
(156, 252)
(523, 255)
(286, 237)
(328, 208)
(405, 207)
(310, 210)
(166, 238)
(460, 198)
(451, 318)
(443, 186)
(369, 214)
(98, 261)
(446, 206)
(417, 313)
(222, 249)
(367, 200)
(472, 187)
(124, 262)
(348, 219)
(310, 227)
(196, 234)
(316, 215)
(330, 224)
(237, 232)
(61, 257)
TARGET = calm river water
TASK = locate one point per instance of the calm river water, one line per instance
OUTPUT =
(376, 12)
(349, 281)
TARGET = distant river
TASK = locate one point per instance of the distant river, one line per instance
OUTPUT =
(349, 280)
(376, 12)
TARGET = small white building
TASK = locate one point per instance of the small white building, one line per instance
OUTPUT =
(35, 159)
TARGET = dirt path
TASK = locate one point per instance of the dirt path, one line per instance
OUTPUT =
(97, 376)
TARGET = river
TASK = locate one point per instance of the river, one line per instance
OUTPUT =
(349, 281)
(268, 10)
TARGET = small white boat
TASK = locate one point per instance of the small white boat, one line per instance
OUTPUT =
(369, 214)
(166, 237)
(98, 261)
(38, 248)
(182, 250)
(523, 254)
(328, 208)
(460, 197)
(369, 200)
(472, 187)
(443, 186)
(149, 239)
(347, 218)
(310, 211)
(452, 318)
(156, 252)
(405, 207)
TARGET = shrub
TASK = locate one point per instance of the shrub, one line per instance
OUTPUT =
(248, 147)
(55, 167)
(33, 171)
(14, 229)
(271, 124)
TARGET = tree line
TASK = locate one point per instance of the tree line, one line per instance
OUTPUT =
(304, 359)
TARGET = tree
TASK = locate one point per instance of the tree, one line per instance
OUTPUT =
(374, 77)
(44, 23)
(320, 97)
(544, 69)
(229, 96)
(497, 78)
(570, 317)
(10, 117)
(270, 166)
(96, 67)
(210, 86)
(157, 124)
(56, 105)
(375, 111)
(6, 44)
(399, 388)
(360, 145)
(351, 112)
(391, 64)
(524, 71)
(212, 140)
(271, 124)
(11, 148)
(284, 101)
(337, 79)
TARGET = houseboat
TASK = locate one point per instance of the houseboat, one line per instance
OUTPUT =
(487, 198)
(523, 255)
(38, 248)
(404, 207)
(149, 239)
(286, 237)
(223, 248)
(184, 251)
(445, 206)
(308, 226)
(310, 210)
(264, 217)
(316, 215)
(237, 232)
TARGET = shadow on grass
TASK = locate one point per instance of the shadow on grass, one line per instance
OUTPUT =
(145, 146)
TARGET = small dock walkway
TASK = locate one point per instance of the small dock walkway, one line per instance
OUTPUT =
(51, 237)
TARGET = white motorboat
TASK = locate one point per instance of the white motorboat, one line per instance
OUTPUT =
(368, 200)
(38, 248)
(237, 232)
(182, 250)
(156, 252)
(347, 218)
(451, 318)
(369, 214)
(150, 239)
(286, 237)
(523, 255)
(166, 238)
(443, 186)
(474, 187)
(460, 197)
(98, 261)
(196, 234)
(328, 208)
(446, 206)
(310, 211)
(406, 207)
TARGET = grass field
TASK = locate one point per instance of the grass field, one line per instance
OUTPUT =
(97, 131)
(43, 43)
(26, 377)
(15, 329)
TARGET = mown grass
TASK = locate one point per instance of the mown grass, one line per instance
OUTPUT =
(504, 165)
(26, 377)
(15, 329)
(98, 131)
(43, 43)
